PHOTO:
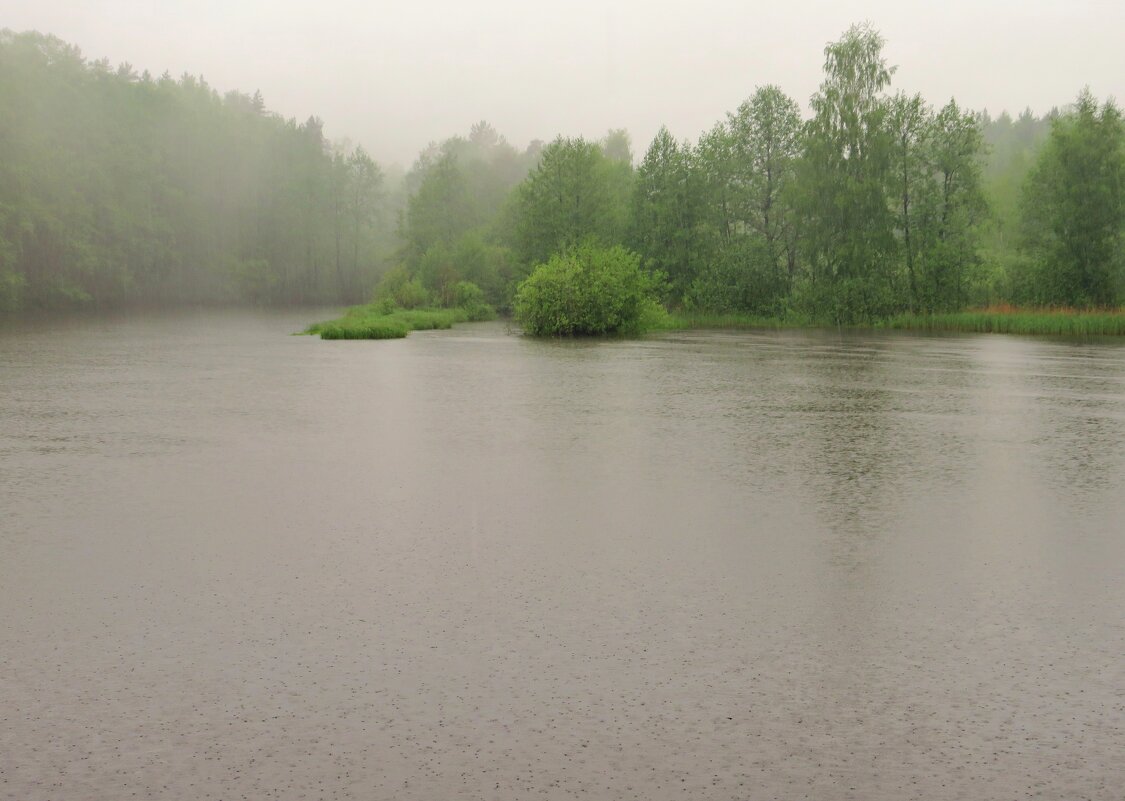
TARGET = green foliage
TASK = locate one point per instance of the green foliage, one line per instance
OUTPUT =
(356, 187)
(720, 219)
(664, 213)
(742, 277)
(375, 321)
(489, 265)
(688, 319)
(470, 298)
(412, 295)
(118, 188)
(436, 270)
(399, 289)
(1018, 321)
(766, 141)
(1074, 208)
(939, 205)
(454, 222)
(360, 328)
(588, 290)
(849, 227)
(442, 209)
(575, 194)
(1012, 148)
(470, 258)
(874, 206)
(429, 319)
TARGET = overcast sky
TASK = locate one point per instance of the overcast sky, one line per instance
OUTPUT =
(395, 75)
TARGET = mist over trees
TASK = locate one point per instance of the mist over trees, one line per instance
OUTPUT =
(880, 203)
(458, 191)
(118, 188)
(1074, 207)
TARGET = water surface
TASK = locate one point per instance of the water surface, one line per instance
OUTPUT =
(236, 563)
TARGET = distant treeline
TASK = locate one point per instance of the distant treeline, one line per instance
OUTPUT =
(118, 188)
(121, 188)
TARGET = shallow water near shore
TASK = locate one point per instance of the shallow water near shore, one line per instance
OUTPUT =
(467, 564)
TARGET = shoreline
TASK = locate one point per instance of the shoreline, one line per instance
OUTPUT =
(1024, 322)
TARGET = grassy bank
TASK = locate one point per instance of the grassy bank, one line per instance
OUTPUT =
(998, 320)
(376, 321)
(682, 320)
(1008, 320)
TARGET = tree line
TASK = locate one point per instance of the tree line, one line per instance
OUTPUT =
(879, 203)
(123, 188)
(120, 188)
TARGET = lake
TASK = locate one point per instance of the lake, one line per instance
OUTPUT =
(703, 565)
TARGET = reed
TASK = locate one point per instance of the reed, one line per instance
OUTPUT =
(375, 322)
(1000, 319)
(680, 320)
(1013, 320)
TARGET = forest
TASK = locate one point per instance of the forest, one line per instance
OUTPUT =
(121, 189)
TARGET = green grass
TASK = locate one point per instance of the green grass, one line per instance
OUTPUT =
(681, 320)
(1057, 322)
(375, 322)
(358, 328)
(372, 322)
(999, 320)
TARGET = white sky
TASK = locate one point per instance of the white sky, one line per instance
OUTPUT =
(395, 75)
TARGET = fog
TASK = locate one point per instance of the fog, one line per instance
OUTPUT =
(701, 459)
(395, 76)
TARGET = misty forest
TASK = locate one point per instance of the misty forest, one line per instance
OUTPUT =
(121, 189)
(779, 457)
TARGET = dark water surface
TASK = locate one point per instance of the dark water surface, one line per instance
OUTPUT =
(240, 564)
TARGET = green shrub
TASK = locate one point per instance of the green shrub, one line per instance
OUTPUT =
(429, 319)
(360, 328)
(469, 297)
(1058, 322)
(382, 306)
(694, 318)
(587, 291)
(373, 322)
(742, 278)
(397, 287)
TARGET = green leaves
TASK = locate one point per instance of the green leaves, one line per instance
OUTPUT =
(586, 291)
(1074, 208)
(849, 227)
(575, 194)
(123, 189)
(937, 200)
(665, 212)
(457, 219)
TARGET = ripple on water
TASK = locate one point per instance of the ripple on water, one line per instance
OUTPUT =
(239, 564)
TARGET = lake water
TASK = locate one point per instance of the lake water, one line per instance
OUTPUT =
(240, 564)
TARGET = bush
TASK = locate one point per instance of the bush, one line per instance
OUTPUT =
(469, 297)
(373, 322)
(397, 287)
(359, 328)
(587, 291)
(741, 278)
